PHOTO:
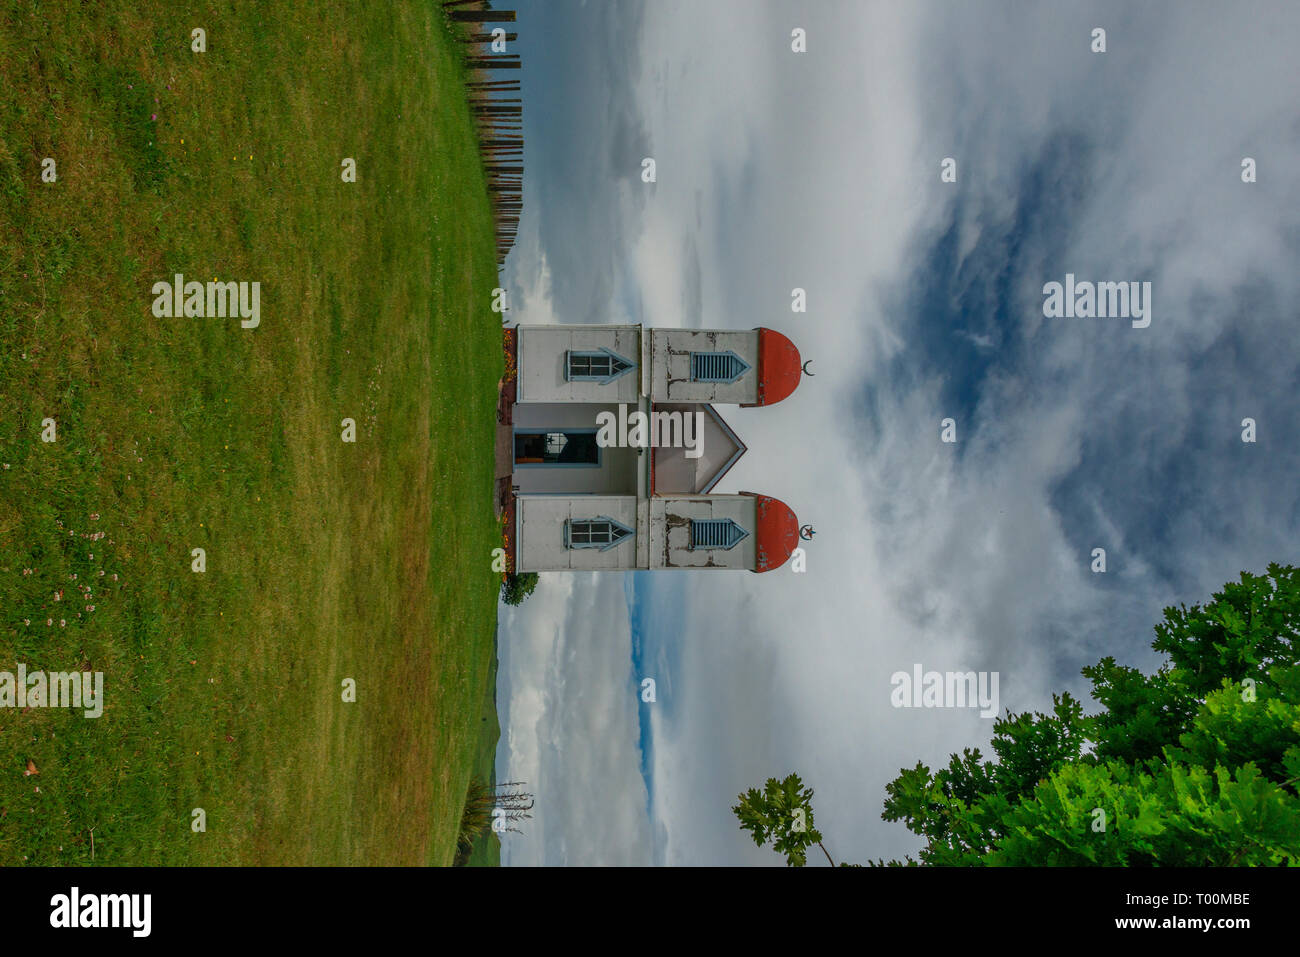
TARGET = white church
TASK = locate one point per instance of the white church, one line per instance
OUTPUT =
(574, 501)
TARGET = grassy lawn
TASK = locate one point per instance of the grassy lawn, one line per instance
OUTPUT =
(325, 560)
(487, 849)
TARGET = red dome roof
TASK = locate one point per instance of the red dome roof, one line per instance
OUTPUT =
(778, 533)
(779, 367)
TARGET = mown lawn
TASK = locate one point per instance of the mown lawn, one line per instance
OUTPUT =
(487, 847)
(325, 560)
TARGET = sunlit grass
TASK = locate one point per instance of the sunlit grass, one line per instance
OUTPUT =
(325, 560)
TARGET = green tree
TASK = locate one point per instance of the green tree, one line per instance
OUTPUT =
(1196, 764)
(1245, 630)
(1028, 747)
(515, 588)
(782, 815)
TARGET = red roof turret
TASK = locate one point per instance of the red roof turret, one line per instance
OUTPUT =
(778, 532)
(779, 367)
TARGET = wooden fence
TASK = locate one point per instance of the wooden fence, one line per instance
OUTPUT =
(498, 115)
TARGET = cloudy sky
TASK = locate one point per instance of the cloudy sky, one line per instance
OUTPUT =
(821, 170)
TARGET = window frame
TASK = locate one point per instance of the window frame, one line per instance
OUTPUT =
(695, 536)
(569, 543)
(601, 353)
(741, 366)
(541, 430)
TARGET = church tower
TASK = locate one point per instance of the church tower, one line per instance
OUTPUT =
(610, 447)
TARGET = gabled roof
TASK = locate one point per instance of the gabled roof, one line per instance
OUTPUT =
(675, 474)
(734, 458)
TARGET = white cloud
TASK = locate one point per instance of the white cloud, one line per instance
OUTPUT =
(821, 170)
(569, 719)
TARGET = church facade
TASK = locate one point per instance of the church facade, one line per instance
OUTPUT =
(595, 486)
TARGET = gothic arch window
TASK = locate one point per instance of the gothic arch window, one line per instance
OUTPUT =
(717, 366)
(602, 365)
(602, 532)
(716, 533)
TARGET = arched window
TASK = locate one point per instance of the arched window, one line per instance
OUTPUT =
(601, 366)
(717, 366)
(602, 532)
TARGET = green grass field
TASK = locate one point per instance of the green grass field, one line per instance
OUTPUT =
(487, 849)
(325, 560)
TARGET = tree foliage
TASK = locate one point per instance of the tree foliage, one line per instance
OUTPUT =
(516, 587)
(781, 814)
(1196, 764)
